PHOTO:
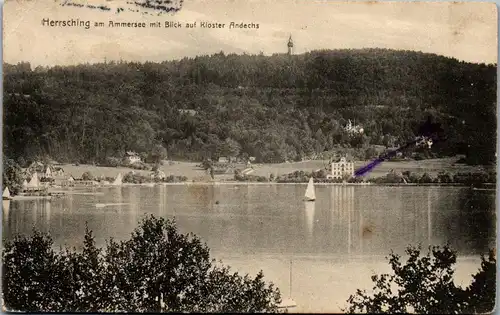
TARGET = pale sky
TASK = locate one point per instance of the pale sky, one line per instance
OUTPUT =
(466, 31)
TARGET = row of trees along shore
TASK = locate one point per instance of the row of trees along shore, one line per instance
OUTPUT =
(274, 108)
(160, 270)
(443, 177)
(13, 178)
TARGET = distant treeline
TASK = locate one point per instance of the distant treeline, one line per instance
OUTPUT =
(274, 108)
(462, 178)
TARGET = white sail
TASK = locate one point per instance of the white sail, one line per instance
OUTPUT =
(6, 193)
(288, 303)
(34, 181)
(25, 184)
(310, 194)
(118, 180)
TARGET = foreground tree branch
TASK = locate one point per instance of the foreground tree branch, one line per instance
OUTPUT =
(156, 270)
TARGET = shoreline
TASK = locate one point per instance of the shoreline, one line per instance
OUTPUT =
(227, 183)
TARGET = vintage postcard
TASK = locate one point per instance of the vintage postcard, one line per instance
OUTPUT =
(249, 156)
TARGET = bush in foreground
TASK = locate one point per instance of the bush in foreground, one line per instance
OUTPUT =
(425, 285)
(157, 269)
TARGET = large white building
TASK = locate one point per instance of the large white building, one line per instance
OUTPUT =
(132, 157)
(342, 169)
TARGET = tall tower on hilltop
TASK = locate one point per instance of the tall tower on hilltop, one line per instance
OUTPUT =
(290, 45)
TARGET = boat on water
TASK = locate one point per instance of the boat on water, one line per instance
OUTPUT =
(288, 302)
(6, 194)
(310, 194)
(118, 180)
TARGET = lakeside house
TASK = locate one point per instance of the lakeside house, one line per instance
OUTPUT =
(85, 183)
(44, 171)
(352, 128)
(54, 175)
(57, 171)
(34, 181)
(69, 182)
(35, 167)
(48, 172)
(158, 175)
(190, 112)
(132, 157)
(223, 159)
(34, 186)
(342, 169)
(393, 149)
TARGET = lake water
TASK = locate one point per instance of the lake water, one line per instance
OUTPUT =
(333, 245)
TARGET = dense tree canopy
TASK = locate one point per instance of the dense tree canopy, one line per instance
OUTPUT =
(274, 108)
(425, 285)
(12, 176)
(157, 269)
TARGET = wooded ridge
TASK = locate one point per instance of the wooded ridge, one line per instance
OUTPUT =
(274, 108)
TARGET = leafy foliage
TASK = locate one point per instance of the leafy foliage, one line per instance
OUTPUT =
(273, 108)
(12, 175)
(425, 285)
(463, 178)
(157, 269)
(481, 292)
(158, 154)
(87, 176)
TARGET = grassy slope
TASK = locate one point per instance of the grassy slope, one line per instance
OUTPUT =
(190, 170)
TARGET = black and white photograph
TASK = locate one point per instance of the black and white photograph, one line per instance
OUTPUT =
(222, 156)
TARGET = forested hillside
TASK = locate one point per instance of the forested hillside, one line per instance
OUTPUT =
(274, 108)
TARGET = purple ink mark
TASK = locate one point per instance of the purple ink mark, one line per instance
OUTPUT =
(153, 7)
(428, 134)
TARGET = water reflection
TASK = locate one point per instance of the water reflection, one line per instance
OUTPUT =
(5, 213)
(343, 214)
(310, 208)
(47, 212)
(474, 222)
(343, 220)
(134, 202)
(201, 194)
(265, 227)
(5, 208)
(118, 192)
(429, 220)
(162, 204)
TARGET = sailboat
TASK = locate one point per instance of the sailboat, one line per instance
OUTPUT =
(34, 182)
(310, 194)
(6, 194)
(118, 180)
(288, 303)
